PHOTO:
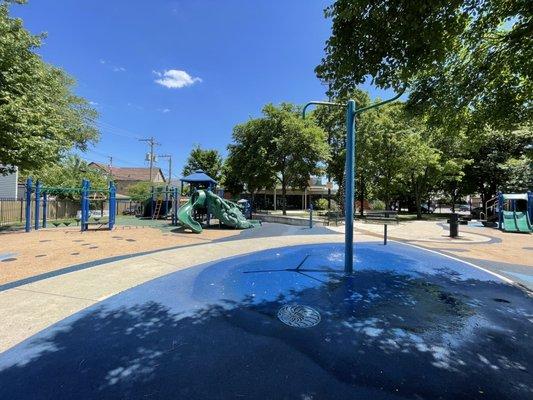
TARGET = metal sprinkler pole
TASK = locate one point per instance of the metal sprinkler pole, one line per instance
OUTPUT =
(351, 136)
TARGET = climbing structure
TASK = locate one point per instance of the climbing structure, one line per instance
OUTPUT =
(227, 212)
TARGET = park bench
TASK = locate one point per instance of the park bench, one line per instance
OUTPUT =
(332, 217)
(384, 218)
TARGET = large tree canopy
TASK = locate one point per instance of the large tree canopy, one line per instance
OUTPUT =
(69, 173)
(455, 56)
(279, 147)
(40, 117)
(247, 165)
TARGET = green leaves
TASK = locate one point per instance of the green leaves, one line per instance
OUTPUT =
(207, 160)
(457, 57)
(279, 147)
(68, 173)
(40, 118)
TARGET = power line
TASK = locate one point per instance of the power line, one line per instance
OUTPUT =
(107, 155)
(115, 130)
(151, 141)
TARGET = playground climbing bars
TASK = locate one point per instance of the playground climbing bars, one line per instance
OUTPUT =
(41, 195)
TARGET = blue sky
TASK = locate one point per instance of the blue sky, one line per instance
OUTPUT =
(184, 72)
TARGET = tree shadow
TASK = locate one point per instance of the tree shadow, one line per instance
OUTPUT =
(383, 335)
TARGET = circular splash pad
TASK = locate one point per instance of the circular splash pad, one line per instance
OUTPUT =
(408, 324)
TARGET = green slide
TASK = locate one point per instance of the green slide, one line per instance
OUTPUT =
(522, 221)
(227, 212)
(509, 222)
(185, 212)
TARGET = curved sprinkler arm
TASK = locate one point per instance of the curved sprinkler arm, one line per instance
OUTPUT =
(320, 103)
(357, 111)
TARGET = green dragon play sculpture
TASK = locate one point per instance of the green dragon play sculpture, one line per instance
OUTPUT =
(227, 212)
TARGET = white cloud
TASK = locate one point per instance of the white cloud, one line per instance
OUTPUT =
(175, 79)
(114, 68)
(165, 110)
(93, 103)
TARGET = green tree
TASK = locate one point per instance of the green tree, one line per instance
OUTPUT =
(493, 153)
(519, 172)
(40, 117)
(208, 160)
(296, 149)
(333, 121)
(387, 151)
(69, 173)
(456, 57)
(247, 165)
(279, 147)
(140, 191)
(420, 168)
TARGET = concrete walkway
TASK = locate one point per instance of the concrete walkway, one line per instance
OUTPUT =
(507, 254)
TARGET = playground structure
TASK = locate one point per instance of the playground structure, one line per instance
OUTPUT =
(227, 212)
(163, 202)
(204, 202)
(515, 212)
(86, 194)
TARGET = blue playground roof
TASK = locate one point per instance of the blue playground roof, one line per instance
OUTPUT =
(199, 176)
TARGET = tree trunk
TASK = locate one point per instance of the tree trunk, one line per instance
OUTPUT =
(362, 193)
(340, 196)
(284, 196)
(329, 192)
(418, 207)
(418, 199)
(252, 199)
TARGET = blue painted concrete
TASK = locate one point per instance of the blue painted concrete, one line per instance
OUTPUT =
(409, 324)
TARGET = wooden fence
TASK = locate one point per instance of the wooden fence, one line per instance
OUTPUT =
(13, 211)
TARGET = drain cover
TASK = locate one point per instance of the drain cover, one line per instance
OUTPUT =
(299, 316)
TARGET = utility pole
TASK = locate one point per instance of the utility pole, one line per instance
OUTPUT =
(169, 156)
(110, 166)
(151, 141)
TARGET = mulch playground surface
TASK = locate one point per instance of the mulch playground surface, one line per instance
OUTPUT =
(23, 255)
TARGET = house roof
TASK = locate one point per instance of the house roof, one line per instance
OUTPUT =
(198, 176)
(128, 174)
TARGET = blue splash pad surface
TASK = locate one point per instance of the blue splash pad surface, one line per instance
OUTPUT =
(408, 324)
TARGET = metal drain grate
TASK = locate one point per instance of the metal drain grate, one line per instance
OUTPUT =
(299, 316)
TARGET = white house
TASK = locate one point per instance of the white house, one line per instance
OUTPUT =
(9, 185)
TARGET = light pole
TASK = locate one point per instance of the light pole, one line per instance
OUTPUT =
(351, 112)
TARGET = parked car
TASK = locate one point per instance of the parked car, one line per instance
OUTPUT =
(463, 207)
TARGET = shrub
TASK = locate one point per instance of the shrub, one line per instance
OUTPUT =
(377, 205)
(320, 204)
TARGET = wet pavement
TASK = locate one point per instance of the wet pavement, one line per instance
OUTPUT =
(409, 324)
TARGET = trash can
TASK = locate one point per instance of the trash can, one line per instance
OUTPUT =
(454, 225)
